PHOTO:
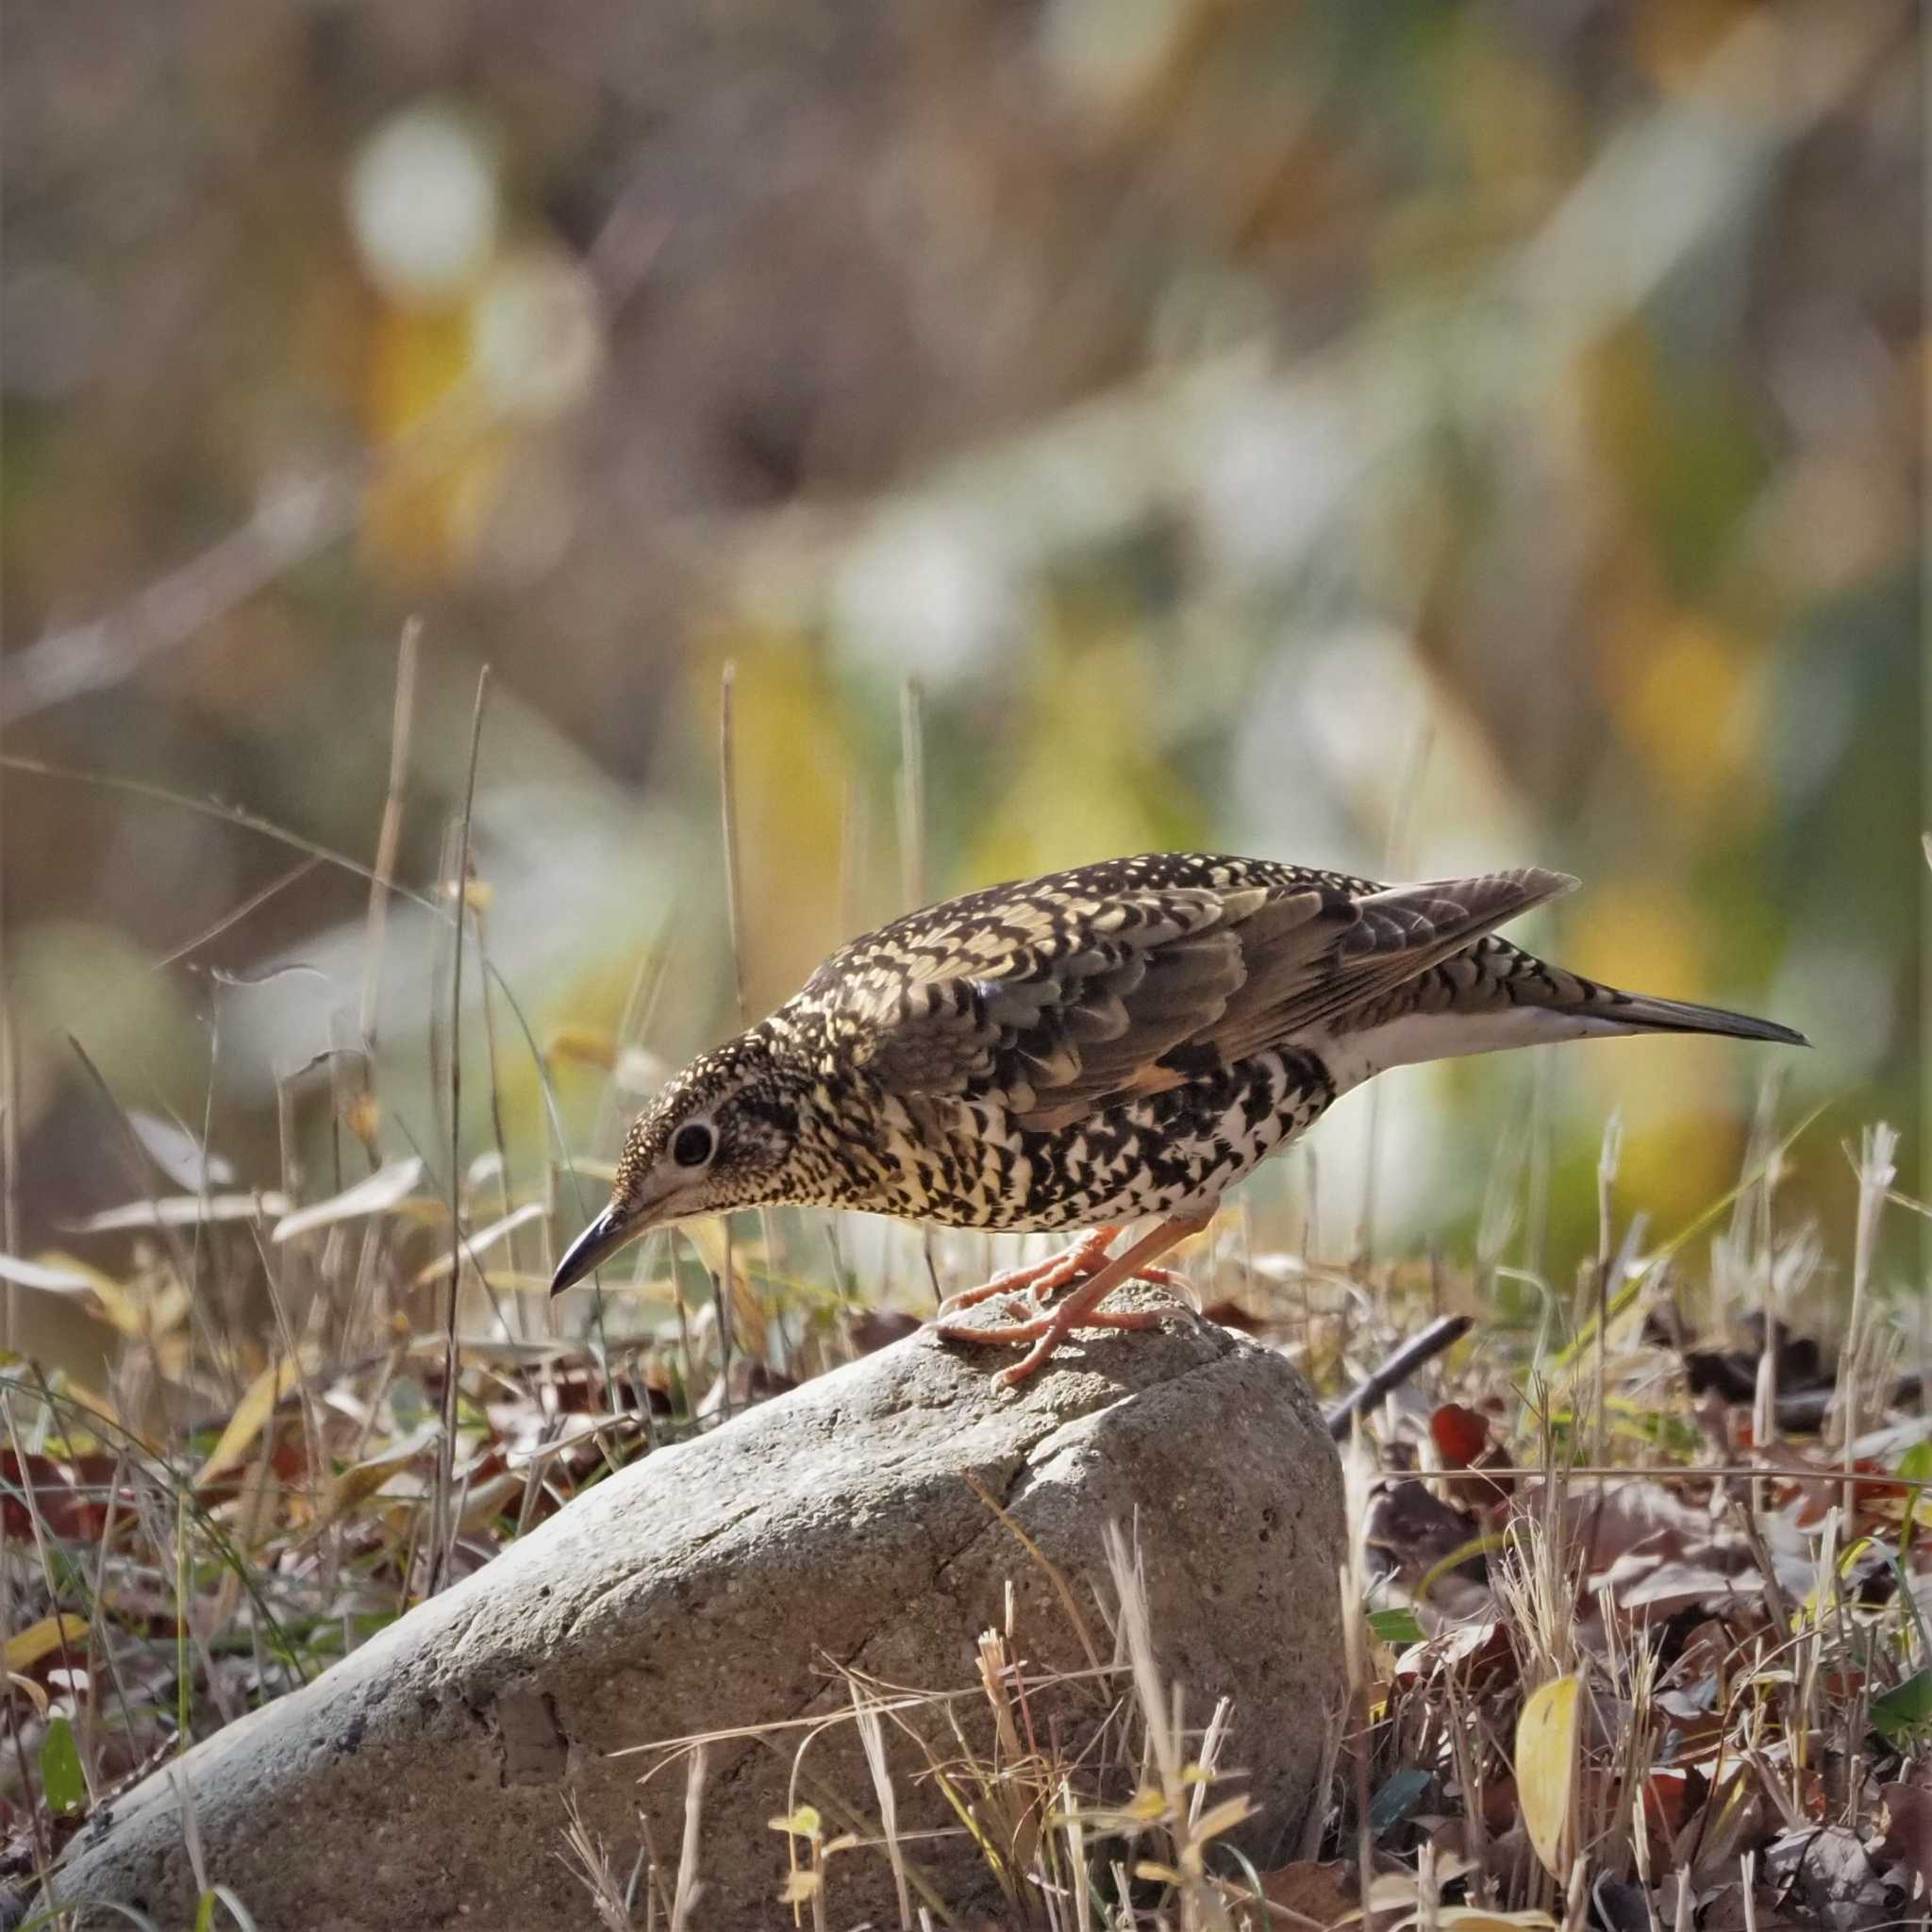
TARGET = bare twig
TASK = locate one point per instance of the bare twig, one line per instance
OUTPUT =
(1399, 1367)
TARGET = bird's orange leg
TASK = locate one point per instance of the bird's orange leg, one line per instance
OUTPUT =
(1081, 1308)
(1043, 1277)
(1041, 1280)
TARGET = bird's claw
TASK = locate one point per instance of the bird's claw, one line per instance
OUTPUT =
(1046, 1331)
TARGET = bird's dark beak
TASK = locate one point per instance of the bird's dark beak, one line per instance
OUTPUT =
(593, 1248)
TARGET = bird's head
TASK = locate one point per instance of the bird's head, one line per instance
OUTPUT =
(720, 1135)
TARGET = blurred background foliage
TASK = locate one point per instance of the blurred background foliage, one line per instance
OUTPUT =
(1409, 437)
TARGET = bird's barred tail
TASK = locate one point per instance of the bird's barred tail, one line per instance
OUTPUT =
(1491, 995)
(1496, 982)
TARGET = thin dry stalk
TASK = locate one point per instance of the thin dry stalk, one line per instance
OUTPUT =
(1131, 1592)
(853, 857)
(1190, 1830)
(10, 1119)
(684, 1897)
(443, 1542)
(734, 907)
(912, 868)
(402, 720)
(1349, 1579)
(728, 799)
(1395, 858)
(1876, 1169)
(873, 1738)
(585, 1858)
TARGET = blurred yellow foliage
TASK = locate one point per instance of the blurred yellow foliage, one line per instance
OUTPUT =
(1688, 703)
(425, 498)
(1089, 779)
(1675, 38)
(1673, 1092)
(792, 759)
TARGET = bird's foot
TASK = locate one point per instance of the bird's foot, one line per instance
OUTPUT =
(1041, 1278)
(1102, 1274)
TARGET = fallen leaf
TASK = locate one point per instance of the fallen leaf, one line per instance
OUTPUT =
(54, 1274)
(1460, 1434)
(1829, 1871)
(878, 1327)
(363, 1480)
(1547, 1768)
(482, 1241)
(252, 1412)
(178, 1154)
(1311, 1889)
(1398, 1797)
(26, 1648)
(182, 1210)
(1904, 1707)
(63, 1783)
(1477, 1919)
(1397, 1626)
(1908, 1835)
(383, 1189)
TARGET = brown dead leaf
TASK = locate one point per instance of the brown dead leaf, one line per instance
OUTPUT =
(877, 1328)
(1420, 1532)
(1311, 1891)
(1909, 1832)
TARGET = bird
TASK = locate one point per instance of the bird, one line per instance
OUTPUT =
(1115, 1044)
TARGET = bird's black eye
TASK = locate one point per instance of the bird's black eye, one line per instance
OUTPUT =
(691, 1146)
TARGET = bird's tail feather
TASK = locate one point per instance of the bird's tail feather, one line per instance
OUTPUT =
(1493, 996)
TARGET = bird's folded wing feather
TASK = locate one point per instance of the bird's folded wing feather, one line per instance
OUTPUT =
(1057, 1006)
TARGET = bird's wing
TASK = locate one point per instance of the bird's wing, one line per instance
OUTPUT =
(1059, 996)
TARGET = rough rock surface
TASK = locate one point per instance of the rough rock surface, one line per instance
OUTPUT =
(422, 1781)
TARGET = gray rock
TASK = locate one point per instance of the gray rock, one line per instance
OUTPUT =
(720, 1583)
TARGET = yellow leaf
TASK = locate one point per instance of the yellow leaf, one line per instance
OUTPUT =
(804, 1823)
(793, 747)
(1547, 1768)
(116, 1306)
(798, 1889)
(363, 1480)
(26, 1647)
(446, 453)
(1686, 708)
(252, 1413)
(747, 1318)
(102, 1408)
(587, 1045)
(1220, 1818)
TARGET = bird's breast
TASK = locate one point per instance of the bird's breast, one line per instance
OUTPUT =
(973, 1163)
